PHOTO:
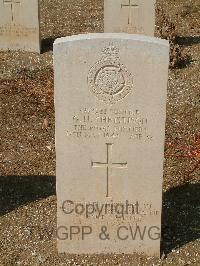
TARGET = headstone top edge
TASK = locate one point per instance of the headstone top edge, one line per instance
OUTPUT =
(124, 36)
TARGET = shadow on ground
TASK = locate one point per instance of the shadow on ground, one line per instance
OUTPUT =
(181, 209)
(181, 216)
(188, 40)
(20, 190)
(47, 44)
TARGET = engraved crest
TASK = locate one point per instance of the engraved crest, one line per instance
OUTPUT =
(108, 79)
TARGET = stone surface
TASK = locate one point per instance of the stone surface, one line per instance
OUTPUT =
(19, 25)
(110, 101)
(131, 16)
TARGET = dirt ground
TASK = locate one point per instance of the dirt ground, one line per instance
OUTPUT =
(27, 148)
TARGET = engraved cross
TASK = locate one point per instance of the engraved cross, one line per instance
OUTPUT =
(109, 165)
(131, 7)
(11, 3)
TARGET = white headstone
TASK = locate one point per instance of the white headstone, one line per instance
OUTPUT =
(19, 25)
(131, 16)
(110, 98)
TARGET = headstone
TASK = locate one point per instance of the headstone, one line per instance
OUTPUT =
(110, 98)
(131, 16)
(19, 25)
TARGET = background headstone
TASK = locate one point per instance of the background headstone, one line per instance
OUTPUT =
(131, 16)
(19, 25)
(110, 98)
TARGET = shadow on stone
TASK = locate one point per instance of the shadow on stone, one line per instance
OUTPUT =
(16, 191)
(180, 217)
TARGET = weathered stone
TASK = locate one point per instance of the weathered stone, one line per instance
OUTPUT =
(110, 101)
(19, 25)
(131, 16)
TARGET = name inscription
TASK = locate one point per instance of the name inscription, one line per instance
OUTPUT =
(109, 122)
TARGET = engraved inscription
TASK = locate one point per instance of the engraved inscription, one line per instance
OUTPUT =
(109, 165)
(12, 4)
(16, 30)
(109, 123)
(130, 212)
(108, 79)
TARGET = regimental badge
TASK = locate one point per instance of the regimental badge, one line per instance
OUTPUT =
(108, 79)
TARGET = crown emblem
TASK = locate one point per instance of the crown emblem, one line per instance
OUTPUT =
(111, 50)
